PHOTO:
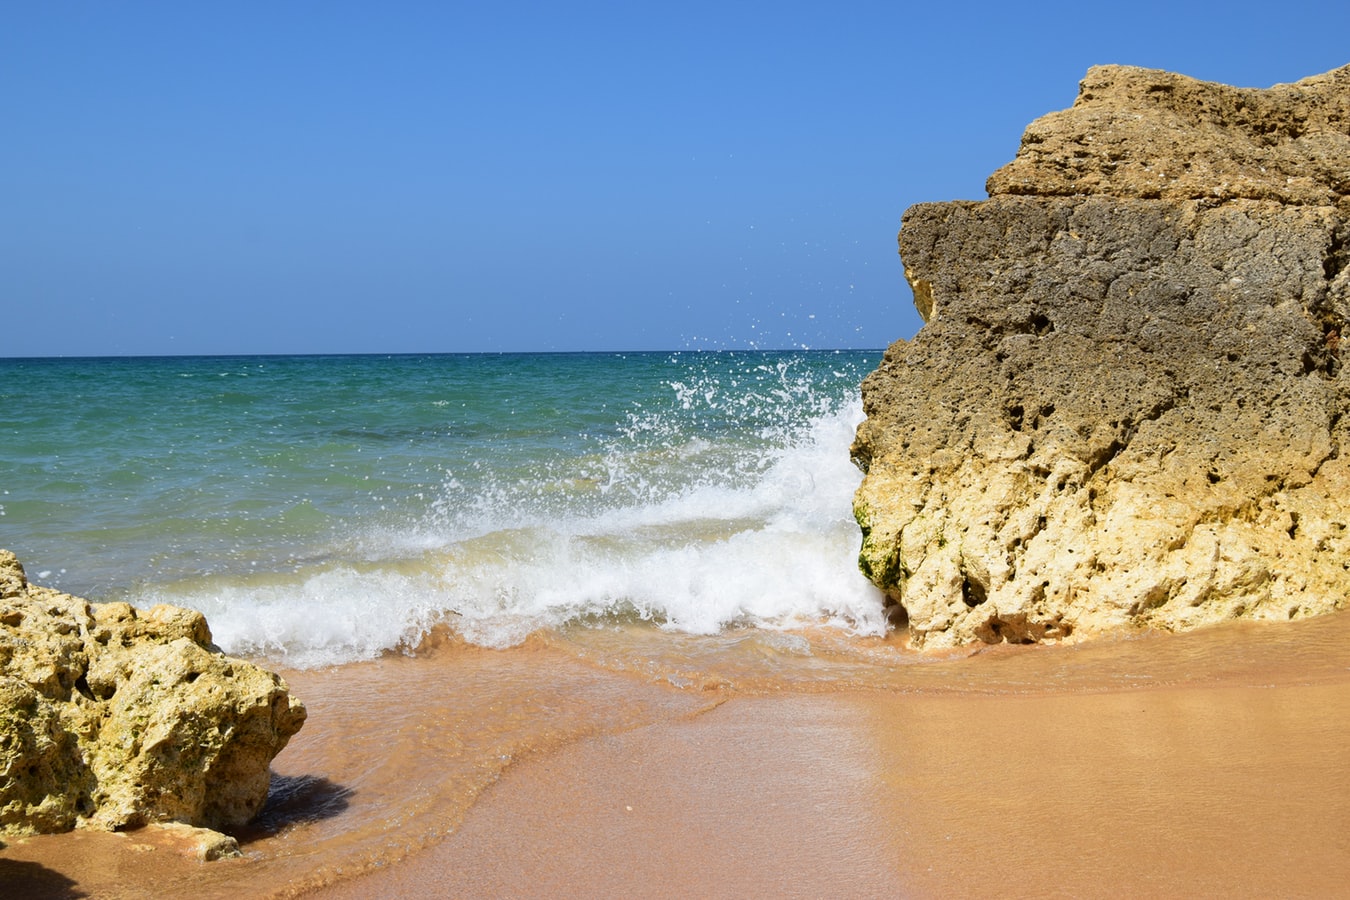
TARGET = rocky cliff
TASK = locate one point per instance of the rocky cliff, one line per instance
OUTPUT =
(113, 718)
(1126, 407)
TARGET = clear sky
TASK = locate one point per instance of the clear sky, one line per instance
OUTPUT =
(312, 177)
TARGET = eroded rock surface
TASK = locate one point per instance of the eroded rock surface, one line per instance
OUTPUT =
(1125, 408)
(113, 718)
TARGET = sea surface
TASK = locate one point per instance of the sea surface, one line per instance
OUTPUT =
(328, 509)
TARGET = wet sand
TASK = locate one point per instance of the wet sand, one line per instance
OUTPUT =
(759, 797)
(1220, 792)
(1209, 764)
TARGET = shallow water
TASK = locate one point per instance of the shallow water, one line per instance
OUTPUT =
(321, 510)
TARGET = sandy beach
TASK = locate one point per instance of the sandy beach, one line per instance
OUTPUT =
(1208, 764)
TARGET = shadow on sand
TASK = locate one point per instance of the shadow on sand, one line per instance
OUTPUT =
(35, 882)
(296, 800)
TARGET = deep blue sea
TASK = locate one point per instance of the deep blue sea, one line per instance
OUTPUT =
(324, 509)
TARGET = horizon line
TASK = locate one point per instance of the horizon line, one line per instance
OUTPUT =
(410, 353)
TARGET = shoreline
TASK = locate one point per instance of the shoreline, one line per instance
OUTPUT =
(1027, 771)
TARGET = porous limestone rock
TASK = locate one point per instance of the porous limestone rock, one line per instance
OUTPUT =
(1126, 407)
(1150, 134)
(114, 718)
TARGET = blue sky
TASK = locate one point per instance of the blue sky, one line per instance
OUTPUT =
(182, 178)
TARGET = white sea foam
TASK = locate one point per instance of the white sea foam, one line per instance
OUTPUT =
(666, 525)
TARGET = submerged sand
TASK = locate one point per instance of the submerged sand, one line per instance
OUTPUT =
(1210, 764)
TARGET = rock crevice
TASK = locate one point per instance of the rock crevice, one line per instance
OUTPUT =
(1125, 407)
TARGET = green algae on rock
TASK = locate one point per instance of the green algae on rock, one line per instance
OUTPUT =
(114, 718)
(1126, 407)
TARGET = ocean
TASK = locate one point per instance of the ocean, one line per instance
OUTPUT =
(328, 509)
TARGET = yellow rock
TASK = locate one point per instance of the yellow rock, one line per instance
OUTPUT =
(111, 718)
(1126, 408)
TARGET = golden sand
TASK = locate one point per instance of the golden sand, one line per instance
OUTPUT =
(1209, 764)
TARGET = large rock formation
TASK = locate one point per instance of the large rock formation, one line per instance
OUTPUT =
(1125, 408)
(112, 718)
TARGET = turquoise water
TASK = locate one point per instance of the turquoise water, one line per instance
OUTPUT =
(325, 509)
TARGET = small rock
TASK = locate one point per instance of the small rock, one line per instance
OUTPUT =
(111, 718)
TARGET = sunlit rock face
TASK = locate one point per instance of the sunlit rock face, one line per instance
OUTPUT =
(112, 717)
(1125, 409)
